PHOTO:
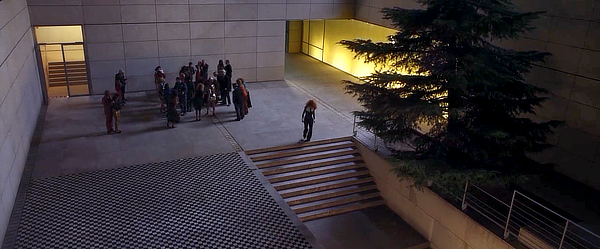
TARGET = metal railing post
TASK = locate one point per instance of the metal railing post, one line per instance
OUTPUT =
(512, 202)
(464, 204)
(354, 131)
(563, 236)
(375, 143)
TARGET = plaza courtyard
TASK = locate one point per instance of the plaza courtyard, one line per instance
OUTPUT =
(193, 185)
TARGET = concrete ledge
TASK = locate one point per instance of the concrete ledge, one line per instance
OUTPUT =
(438, 221)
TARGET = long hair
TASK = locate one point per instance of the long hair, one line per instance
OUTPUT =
(312, 104)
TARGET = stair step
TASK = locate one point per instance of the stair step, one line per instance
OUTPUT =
(65, 81)
(61, 66)
(299, 145)
(334, 203)
(304, 159)
(67, 62)
(300, 152)
(321, 180)
(70, 83)
(340, 211)
(316, 173)
(311, 166)
(332, 195)
(326, 187)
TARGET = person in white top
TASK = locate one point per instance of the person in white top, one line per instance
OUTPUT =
(308, 118)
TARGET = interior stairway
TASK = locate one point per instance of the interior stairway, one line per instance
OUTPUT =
(319, 179)
(76, 73)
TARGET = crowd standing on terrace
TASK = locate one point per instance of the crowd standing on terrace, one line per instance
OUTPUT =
(192, 89)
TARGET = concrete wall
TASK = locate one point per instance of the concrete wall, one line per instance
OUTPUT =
(20, 100)
(438, 221)
(570, 30)
(138, 35)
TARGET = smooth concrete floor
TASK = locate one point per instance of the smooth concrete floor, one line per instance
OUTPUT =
(373, 228)
(74, 140)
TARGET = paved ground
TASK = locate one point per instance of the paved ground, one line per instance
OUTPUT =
(186, 203)
(74, 141)
(74, 138)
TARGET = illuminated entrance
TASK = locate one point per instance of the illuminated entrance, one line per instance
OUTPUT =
(319, 40)
(63, 60)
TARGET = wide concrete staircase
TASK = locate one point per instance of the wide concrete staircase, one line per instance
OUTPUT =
(319, 179)
(75, 70)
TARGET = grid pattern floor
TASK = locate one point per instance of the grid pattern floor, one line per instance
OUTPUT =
(204, 202)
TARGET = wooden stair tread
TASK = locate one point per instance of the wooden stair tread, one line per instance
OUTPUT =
(338, 211)
(334, 203)
(299, 145)
(321, 180)
(305, 159)
(311, 166)
(316, 173)
(326, 187)
(300, 152)
(332, 195)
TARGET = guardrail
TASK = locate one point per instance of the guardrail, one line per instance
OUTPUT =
(355, 133)
(532, 223)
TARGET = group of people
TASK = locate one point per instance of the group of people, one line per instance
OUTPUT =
(194, 88)
(113, 102)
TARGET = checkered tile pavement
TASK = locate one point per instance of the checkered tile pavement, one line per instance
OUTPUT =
(205, 202)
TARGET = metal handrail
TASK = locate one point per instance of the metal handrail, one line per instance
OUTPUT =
(521, 214)
(490, 195)
(355, 133)
(485, 210)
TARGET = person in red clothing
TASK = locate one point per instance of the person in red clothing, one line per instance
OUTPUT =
(107, 101)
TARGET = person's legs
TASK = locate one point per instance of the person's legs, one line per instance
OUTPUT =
(305, 130)
(183, 104)
(123, 94)
(238, 112)
(117, 115)
(228, 96)
(310, 129)
(109, 118)
(223, 98)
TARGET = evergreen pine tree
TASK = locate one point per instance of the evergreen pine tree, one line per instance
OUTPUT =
(443, 70)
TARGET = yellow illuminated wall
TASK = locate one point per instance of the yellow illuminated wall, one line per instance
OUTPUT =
(320, 38)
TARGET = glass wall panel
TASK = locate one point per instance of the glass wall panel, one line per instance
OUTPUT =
(315, 53)
(305, 28)
(76, 69)
(59, 34)
(63, 60)
(334, 31)
(316, 33)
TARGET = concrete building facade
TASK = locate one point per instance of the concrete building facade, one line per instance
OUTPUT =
(20, 100)
(138, 35)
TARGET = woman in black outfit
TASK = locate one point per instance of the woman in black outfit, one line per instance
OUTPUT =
(308, 118)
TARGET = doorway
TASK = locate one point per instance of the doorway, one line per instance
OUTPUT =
(63, 60)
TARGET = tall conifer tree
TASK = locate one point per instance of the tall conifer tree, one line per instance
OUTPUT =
(443, 70)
